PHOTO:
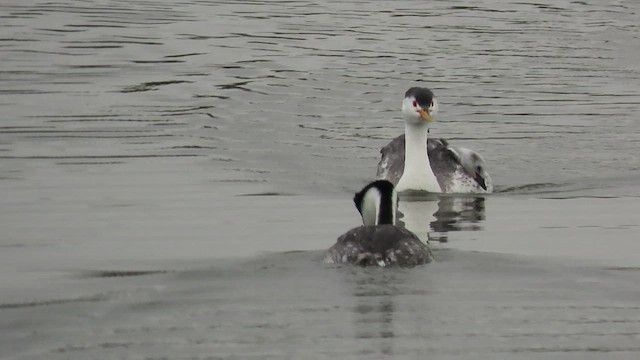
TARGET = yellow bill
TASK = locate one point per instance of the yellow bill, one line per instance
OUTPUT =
(425, 115)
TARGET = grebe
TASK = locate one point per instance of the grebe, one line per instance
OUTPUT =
(414, 162)
(379, 241)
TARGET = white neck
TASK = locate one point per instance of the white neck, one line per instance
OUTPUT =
(378, 206)
(370, 207)
(417, 173)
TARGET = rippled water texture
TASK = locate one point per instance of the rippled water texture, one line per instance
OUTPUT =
(171, 172)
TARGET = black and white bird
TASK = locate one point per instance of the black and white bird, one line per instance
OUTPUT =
(415, 162)
(379, 241)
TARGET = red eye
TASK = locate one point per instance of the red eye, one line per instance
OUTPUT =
(415, 103)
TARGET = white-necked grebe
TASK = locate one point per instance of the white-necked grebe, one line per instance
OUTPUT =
(414, 162)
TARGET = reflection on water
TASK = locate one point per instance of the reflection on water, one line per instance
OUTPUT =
(457, 214)
(383, 298)
(374, 294)
(433, 217)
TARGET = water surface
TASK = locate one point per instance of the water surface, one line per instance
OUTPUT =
(171, 174)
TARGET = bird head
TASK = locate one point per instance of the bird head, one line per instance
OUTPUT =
(419, 106)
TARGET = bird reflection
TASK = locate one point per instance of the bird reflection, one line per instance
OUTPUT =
(374, 292)
(383, 297)
(380, 293)
(433, 217)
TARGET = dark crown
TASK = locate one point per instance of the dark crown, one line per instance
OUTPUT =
(423, 96)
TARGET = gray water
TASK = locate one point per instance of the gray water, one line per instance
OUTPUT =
(172, 172)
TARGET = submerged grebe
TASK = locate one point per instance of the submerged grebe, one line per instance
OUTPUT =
(379, 242)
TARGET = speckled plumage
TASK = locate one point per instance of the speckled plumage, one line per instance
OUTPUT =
(381, 245)
(444, 161)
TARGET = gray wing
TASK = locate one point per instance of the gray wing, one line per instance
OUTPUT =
(443, 161)
(474, 166)
(391, 165)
